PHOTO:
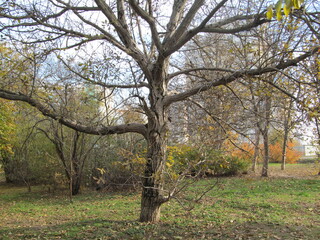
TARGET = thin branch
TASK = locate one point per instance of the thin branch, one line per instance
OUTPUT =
(87, 79)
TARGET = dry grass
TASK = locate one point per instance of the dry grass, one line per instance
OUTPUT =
(305, 171)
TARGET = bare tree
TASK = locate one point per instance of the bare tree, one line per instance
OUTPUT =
(146, 36)
(72, 149)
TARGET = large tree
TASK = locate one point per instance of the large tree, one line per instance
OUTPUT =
(142, 40)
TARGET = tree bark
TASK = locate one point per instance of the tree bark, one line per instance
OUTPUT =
(152, 188)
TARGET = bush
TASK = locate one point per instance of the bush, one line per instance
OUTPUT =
(118, 169)
(226, 165)
(204, 162)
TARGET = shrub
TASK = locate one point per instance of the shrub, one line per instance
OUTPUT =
(204, 162)
(226, 165)
(292, 155)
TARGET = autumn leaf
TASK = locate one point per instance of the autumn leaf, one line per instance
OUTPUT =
(270, 13)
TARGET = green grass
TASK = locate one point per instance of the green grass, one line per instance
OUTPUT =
(239, 208)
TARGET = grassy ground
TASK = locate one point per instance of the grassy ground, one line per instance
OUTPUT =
(284, 206)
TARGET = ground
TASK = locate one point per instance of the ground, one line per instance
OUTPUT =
(284, 206)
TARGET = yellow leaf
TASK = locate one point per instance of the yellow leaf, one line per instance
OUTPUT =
(101, 170)
(279, 16)
(286, 9)
(297, 4)
(269, 13)
(278, 6)
(278, 10)
(289, 3)
(286, 46)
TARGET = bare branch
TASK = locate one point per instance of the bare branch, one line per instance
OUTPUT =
(187, 71)
(236, 75)
(123, 33)
(182, 28)
(150, 20)
(175, 18)
(96, 130)
(181, 36)
(246, 27)
(102, 84)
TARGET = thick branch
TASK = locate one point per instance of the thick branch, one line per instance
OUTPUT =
(123, 33)
(234, 19)
(98, 130)
(184, 35)
(150, 20)
(187, 71)
(236, 75)
(190, 34)
(175, 18)
(245, 27)
(184, 24)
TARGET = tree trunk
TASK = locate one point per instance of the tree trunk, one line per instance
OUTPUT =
(287, 118)
(76, 183)
(265, 165)
(265, 135)
(75, 169)
(256, 149)
(284, 150)
(153, 183)
(153, 179)
(152, 198)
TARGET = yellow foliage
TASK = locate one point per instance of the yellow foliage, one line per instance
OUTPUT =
(286, 6)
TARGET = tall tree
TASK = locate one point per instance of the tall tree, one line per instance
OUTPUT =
(145, 38)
